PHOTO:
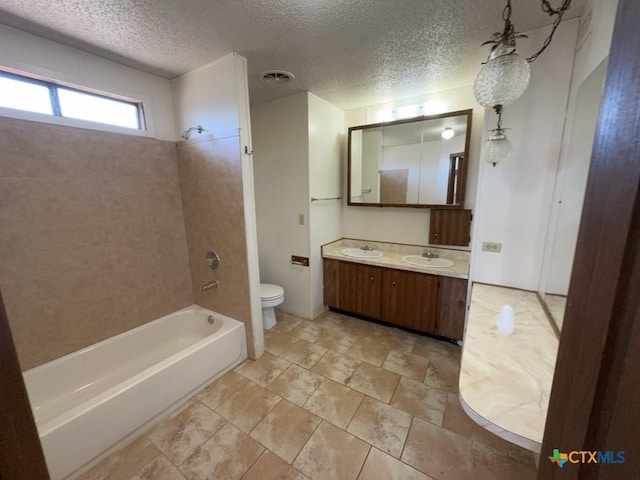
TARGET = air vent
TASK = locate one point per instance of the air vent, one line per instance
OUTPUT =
(276, 77)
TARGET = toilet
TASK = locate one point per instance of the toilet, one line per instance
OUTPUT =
(270, 297)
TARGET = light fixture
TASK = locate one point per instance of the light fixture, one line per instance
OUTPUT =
(505, 75)
(448, 133)
(497, 148)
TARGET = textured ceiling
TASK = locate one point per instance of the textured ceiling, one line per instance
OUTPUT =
(349, 52)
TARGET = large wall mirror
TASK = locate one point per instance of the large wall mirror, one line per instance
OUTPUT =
(421, 162)
(569, 195)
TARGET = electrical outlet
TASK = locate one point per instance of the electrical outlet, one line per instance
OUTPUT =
(492, 247)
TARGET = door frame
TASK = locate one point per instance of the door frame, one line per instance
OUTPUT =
(594, 398)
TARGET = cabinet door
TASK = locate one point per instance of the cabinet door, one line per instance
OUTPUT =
(359, 289)
(410, 299)
(452, 309)
(330, 280)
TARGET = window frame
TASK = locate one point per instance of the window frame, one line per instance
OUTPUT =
(53, 87)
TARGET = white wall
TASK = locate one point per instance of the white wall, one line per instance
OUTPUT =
(207, 96)
(23, 52)
(407, 225)
(514, 198)
(280, 131)
(595, 33)
(216, 96)
(326, 138)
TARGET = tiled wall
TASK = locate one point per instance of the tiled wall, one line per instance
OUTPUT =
(92, 237)
(211, 181)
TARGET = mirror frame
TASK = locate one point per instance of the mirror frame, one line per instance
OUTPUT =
(465, 168)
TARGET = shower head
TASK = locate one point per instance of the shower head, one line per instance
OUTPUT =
(187, 133)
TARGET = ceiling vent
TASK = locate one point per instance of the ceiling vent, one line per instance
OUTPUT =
(276, 77)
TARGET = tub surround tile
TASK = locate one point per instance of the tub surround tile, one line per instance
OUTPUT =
(304, 353)
(183, 433)
(220, 390)
(379, 465)
(296, 384)
(88, 210)
(332, 453)
(285, 430)
(335, 403)
(438, 453)
(248, 406)
(375, 382)
(420, 400)
(338, 368)
(272, 467)
(505, 380)
(125, 463)
(229, 455)
(380, 425)
(406, 364)
(264, 370)
(213, 206)
(369, 350)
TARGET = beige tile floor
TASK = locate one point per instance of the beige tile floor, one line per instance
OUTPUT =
(336, 398)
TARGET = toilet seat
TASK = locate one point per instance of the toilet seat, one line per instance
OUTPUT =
(269, 291)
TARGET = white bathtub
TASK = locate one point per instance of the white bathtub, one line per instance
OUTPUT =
(86, 402)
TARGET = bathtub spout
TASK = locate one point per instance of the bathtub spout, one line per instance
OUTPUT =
(210, 285)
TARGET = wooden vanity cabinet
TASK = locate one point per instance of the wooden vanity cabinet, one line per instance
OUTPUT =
(452, 307)
(420, 301)
(410, 299)
(359, 289)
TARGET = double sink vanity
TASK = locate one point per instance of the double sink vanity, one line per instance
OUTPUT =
(505, 380)
(396, 284)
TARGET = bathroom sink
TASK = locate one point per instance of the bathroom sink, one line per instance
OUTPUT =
(359, 253)
(421, 261)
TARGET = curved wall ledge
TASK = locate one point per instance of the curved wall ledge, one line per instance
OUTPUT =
(505, 380)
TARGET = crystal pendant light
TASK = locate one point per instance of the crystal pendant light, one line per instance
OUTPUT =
(505, 76)
(497, 148)
(503, 79)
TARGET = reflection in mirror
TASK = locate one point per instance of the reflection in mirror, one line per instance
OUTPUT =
(569, 195)
(419, 162)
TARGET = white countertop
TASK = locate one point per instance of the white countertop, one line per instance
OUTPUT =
(505, 380)
(394, 252)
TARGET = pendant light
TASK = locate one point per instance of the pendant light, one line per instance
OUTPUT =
(505, 75)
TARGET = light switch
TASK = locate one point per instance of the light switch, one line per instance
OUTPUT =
(301, 219)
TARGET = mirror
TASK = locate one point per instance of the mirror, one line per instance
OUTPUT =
(569, 195)
(419, 162)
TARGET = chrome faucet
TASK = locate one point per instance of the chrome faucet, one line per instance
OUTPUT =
(430, 254)
(366, 248)
(210, 285)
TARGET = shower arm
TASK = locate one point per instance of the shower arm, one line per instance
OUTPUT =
(187, 133)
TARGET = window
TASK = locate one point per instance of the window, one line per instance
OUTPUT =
(39, 96)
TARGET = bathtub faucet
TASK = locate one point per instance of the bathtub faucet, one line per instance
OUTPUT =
(210, 285)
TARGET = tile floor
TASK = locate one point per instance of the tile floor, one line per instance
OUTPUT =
(336, 398)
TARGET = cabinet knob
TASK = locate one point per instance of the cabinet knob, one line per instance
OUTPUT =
(394, 284)
(372, 279)
(435, 234)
